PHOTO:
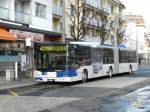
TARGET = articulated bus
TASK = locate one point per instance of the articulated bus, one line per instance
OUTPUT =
(74, 61)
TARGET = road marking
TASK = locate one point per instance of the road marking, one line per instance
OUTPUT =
(13, 93)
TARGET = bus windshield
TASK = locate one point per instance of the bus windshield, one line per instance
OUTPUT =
(50, 58)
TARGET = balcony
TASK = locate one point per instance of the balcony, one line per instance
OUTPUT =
(93, 22)
(107, 8)
(4, 13)
(97, 4)
(57, 10)
(88, 20)
(22, 17)
(97, 23)
(57, 30)
(89, 2)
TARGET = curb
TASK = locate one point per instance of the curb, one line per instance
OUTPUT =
(17, 86)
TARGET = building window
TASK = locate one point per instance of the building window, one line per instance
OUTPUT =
(40, 10)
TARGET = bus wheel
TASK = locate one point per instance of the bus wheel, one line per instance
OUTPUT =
(84, 76)
(130, 69)
(110, 72)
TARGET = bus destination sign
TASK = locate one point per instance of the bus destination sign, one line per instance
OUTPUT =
(57, 48)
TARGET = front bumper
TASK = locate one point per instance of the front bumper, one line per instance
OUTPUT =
(48, 79)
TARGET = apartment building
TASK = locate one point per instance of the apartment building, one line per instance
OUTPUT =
(23, 22)
(93, 9)
(135, 30)
(137, 37)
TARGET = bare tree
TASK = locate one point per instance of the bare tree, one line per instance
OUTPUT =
(110, 24)
(120, 37)
(77, 19)
(104, 24)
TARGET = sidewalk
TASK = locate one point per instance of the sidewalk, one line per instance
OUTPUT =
(16, 84)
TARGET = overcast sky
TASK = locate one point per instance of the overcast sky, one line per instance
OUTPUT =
(141, 7)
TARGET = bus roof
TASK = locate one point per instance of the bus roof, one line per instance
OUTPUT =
(92, 44)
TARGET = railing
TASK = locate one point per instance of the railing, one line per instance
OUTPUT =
(97, 4)
(107, 9)
(89, 2)
(57, 10)
(93, 22)
(22, 17)
(58, 30)
(4, 13)
(97, 23)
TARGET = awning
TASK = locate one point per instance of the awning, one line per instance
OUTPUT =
(5, 35)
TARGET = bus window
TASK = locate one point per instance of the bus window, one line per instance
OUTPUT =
(127, 56)
(121, 56)
(84, 55)
(108, 56)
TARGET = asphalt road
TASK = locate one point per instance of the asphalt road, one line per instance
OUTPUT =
(101, 95)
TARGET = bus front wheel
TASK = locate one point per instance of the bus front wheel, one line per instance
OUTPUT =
(84, 76)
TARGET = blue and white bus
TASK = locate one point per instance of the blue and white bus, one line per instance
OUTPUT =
(76, 61)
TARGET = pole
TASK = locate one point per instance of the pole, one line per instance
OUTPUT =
(33, 61)
(26, 60)
(137, 45)
(16, 70)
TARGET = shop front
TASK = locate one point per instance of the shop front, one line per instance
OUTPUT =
(8, 56)
(17, 43)
(26, 58)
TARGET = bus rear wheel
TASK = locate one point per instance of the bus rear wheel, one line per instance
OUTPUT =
(84, 76)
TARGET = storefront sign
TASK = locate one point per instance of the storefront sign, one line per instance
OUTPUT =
(28, 42)
(22, 35)
(53, 48)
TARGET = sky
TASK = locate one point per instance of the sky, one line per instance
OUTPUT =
(141, 7)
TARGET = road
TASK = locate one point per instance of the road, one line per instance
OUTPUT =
(105, 94)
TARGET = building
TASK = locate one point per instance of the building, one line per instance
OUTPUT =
(96, 13)
(135, 30)
(136, 36)
(23, 22)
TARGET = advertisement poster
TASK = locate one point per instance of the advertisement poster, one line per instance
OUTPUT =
(23, 62)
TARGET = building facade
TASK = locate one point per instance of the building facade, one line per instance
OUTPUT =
(96, 13)
(135, 33)
(137, 37)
